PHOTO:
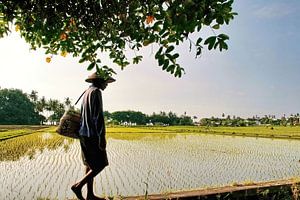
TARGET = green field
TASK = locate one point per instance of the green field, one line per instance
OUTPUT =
(289, 132)
(17, 141)
(10, 131)
(175, 158)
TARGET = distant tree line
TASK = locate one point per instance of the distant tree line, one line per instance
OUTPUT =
(139, 118)
(17, 107)
(291, 120)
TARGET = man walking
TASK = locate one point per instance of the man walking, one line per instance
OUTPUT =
(92, 135)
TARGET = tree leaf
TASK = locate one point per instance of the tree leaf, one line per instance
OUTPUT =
(216, 26)
(220, 20)
(166, 64)
(199, 51)
(171, 69)
(146, 42)
(169, 49)
(223, 36)
(91, 66)
(210, 41)
(199, 41)
(169, 56)
(225, 46)
(158, 53)
(160, 61)
(175, 56)
(216, 44)
(82, 60)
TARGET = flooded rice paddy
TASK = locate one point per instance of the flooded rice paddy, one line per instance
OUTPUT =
(158, 163)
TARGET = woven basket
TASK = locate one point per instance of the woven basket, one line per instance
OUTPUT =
(69, 124)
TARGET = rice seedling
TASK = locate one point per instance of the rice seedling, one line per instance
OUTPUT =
(15, 148)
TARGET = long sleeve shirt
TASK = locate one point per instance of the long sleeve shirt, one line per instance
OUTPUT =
(92, 119)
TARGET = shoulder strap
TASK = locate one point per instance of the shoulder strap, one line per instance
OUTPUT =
(80, 97)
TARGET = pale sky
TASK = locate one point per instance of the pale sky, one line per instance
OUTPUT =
(258, 75)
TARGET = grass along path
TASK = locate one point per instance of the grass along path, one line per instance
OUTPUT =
(279, 189)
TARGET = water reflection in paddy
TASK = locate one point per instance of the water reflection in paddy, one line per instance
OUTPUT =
(163, 162)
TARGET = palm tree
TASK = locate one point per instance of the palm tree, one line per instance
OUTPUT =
(67, 102)
(58, 111)
(40, 108)
(52, 105)
(41, 104)
(33, 96)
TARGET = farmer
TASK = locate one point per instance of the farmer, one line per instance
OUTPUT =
(92, 135)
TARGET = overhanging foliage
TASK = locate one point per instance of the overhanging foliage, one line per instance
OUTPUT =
(86, 28)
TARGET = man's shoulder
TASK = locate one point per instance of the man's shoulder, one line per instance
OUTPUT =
(94, 91)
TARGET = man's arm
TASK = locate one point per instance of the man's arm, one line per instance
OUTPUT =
(98, 118)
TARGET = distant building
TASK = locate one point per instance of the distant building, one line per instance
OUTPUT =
(128, 124)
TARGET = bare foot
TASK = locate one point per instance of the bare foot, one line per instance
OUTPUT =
(77, 191)
(93, 197)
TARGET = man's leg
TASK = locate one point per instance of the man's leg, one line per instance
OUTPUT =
(90, 190)
(90, 186)
(89, 180)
